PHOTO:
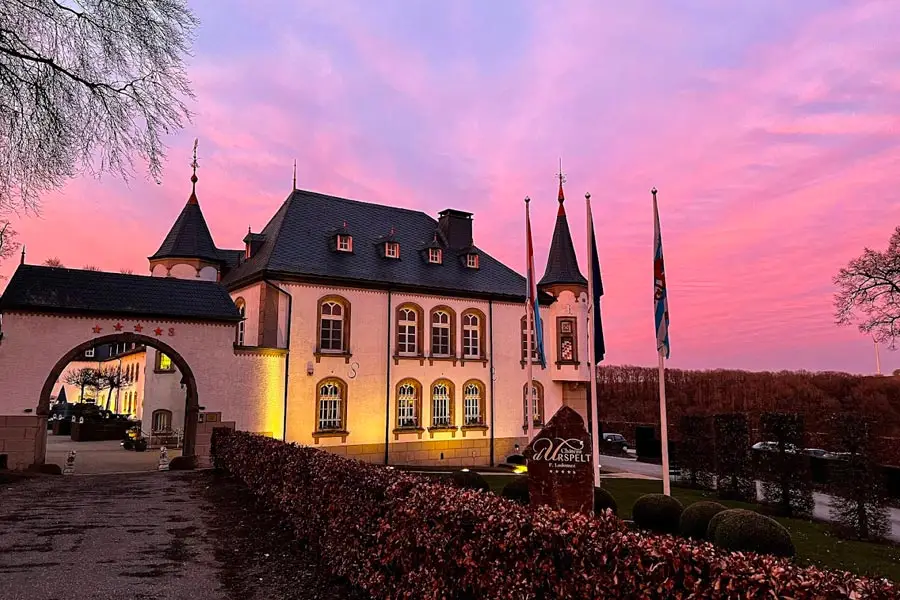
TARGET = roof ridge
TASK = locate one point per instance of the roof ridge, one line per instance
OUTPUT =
(354, 201)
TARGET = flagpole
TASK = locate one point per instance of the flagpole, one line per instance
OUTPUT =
(662, 343)
(664, 423)
(592, 367)
(529, 324)
(877, 358)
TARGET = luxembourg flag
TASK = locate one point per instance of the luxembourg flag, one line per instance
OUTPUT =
(532, 297)
(660, 295)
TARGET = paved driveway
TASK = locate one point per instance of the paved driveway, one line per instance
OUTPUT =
(125, 536)
(103, 457)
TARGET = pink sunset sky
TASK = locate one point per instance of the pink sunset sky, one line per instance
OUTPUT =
(769, 127)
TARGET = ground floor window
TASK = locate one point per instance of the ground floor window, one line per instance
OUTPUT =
(162, 420)
(472, 403)
(331, 404)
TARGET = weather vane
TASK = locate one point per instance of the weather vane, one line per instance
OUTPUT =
(194, 163)
(561, 175)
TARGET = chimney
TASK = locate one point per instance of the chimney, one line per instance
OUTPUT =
(456, 227)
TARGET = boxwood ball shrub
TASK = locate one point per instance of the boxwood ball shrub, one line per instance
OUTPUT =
(517, 490)
(717, 519)
(604, 500)
(469, 480)
(657, 512)
(400, 535)
(516, 459)
(696, 517)
(748, 531)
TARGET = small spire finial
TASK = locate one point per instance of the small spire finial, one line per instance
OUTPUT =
(249, 231)
(194, 165)
(527, 199)
(562, 180)
(295, 175)
(22, 261)
(587, 195)
(653, 191)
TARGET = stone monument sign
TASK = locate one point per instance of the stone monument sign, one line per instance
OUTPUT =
(560, 464)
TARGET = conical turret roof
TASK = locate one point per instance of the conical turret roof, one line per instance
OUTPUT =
(562, 262)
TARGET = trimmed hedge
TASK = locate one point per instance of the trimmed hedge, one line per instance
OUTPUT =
(696, 517)
(517, 490)
(604, 500)
(657, 513)
(748, 531)
(469, 480)
(399, 535)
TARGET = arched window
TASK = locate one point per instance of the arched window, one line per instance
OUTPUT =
(334, 325)
(442, 335)
(409, 330)
(473, 334)
(537, 404)
(162, 421)
(442, 408)
(409, 404)
(331, 396)
(242, 308)
(473, 403)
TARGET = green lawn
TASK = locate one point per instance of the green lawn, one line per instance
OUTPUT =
(815, 543)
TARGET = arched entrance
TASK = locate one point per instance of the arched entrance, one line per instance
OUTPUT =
(192, 404)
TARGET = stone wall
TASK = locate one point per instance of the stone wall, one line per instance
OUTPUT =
(22, 440)
(450, 453)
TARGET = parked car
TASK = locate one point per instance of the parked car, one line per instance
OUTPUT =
(773, 447)
(615, 442)
(817, 452)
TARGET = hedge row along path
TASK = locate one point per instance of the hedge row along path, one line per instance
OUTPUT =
(399, 535)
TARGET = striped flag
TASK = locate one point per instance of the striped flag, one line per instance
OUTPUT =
(596, 284)
(660, 295)
(532, 297)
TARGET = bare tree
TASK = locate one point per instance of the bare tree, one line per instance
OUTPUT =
(8, 243)
(112, 379)
(90, 268)
(85, 377)
(53, 262)
(86, 85)
(869, 292)
(126, 271)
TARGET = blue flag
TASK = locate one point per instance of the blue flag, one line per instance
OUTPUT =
(660, 294)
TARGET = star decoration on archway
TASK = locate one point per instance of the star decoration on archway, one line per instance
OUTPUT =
(139, 328)
(117, 327)
(97, 329)
(158, 331)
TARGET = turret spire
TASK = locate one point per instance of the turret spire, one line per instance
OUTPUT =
(194, 165)
(295, 175)
(562, 263)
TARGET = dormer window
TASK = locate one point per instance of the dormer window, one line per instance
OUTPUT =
(344, 243)
(434, 256)
(472, 261)
(391, 250)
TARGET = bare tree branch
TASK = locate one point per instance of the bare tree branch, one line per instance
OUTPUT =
(85, 87)
(53, 262)
(8, 243)
(869, 293)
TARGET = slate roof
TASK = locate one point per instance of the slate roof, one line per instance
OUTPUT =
(60, 290)
(299, 243)
(189, 237)
(562, 262)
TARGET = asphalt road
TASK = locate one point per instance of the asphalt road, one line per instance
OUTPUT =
(124, 536)
(821, 509)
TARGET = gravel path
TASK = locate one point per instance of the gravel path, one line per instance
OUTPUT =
(152, 536)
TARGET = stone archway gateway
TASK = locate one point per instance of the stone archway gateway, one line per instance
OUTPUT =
(48, 315)
(192, 404)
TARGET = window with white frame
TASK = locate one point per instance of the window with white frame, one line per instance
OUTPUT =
(537, 403)
(524, 338)
(434, 255)
(242, 309)
(472, 404)
(407, 399)
(331, 327)
(406, 332)
(344, 243)
(330, 406)
(392, 249)
(89, 353)
(471, 327)
(472, 261)
(440, 405)
(162, 420)
(440, 333)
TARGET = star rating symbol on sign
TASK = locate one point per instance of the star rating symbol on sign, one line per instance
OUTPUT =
(139, 328)
(117, 327)
(97, 329)
(158, 331)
